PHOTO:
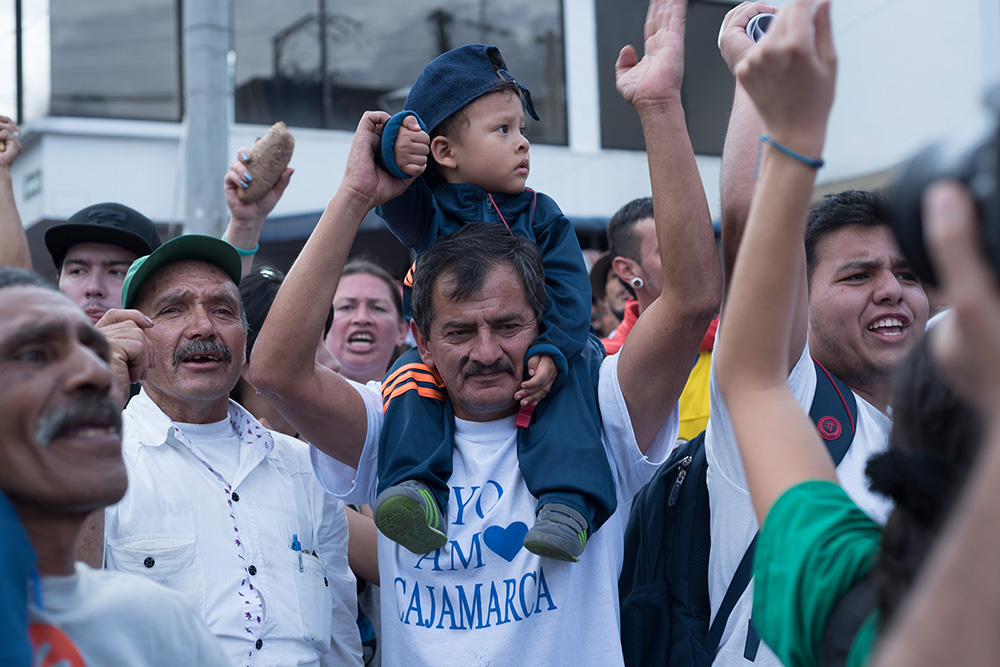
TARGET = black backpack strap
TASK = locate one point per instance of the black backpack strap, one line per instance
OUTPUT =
(845, 621)
(744, 572)
(664, 580)
(665, 607)
(648, 537)
(834, 410)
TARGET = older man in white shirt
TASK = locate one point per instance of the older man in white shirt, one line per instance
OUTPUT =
(218, 507)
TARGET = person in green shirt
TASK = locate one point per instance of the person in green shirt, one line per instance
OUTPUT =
(816, 544)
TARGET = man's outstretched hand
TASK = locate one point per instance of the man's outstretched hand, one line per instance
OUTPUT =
(363, 177)
(656, 79)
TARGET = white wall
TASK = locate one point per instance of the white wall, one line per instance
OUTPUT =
(910, 71)
(84, 161)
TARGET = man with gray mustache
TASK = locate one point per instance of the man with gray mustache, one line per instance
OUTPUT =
(219, 508)
(60, 459)
(98, 408)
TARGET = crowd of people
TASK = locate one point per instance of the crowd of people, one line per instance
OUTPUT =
(206, 461)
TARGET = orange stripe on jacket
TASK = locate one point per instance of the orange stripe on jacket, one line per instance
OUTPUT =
(426, 392)
(399, 387)
(417, 372)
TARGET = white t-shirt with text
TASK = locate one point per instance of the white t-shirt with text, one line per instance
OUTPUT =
(483, 599)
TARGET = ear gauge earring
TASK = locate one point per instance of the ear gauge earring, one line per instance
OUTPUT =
(636, 283)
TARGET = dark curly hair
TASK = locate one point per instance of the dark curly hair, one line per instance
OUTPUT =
(934, 442)
(468, 257)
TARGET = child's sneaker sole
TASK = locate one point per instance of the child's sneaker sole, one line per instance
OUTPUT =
(404, 520)
(548, 551)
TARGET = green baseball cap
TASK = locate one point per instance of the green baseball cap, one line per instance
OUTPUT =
(189, 246)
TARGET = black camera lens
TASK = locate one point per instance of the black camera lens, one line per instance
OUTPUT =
(974, 165)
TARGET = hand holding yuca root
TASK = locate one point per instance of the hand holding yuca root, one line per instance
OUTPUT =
(268, 159)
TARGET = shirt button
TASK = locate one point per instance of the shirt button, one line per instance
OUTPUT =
(260, 642)
(252, 570)
(149, 562)
(236, 497)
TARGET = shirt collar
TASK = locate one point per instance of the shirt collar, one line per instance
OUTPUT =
(155, 428)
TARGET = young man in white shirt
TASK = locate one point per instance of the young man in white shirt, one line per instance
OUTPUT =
(859, 311)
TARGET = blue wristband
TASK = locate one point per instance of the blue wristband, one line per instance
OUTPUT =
(808, 161)
(246, 253)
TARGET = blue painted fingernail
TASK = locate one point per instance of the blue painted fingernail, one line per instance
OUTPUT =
(247, 177)
(244, 156)
(244, 184)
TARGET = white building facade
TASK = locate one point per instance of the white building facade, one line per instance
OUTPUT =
(98, 91)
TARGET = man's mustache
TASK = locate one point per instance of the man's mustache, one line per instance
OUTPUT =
(202, 347)
(473, 368)
(94, 410)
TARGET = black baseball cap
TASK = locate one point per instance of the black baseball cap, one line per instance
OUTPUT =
(115, 224)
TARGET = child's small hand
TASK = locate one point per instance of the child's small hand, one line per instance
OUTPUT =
(412, 147)
(542, 371)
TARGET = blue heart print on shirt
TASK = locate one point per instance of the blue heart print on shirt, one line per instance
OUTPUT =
(506, 542)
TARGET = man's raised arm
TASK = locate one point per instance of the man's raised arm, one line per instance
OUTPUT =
(13, 240)
(322, 406)
(791, 79)
(739, 166)
(657, 357)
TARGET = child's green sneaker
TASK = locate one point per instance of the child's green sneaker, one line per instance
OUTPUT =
(560, 532)
(408, 514)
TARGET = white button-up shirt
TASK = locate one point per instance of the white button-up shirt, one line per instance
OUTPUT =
(226, 544)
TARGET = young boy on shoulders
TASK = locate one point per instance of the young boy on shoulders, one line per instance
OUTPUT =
(461, 134)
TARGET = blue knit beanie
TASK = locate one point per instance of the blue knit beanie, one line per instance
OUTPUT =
(458, 77)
